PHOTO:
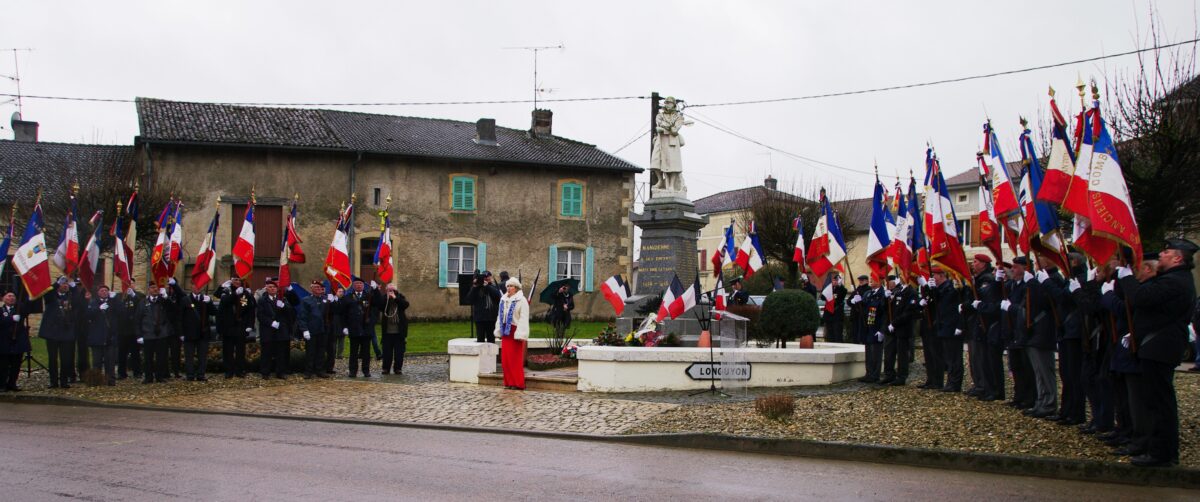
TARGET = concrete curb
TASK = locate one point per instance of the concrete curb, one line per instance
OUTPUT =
(1053, 468)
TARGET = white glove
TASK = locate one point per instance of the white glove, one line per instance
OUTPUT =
(999, 274)
(975, 304)
(112, 294)
(16, 317)
(331, 298)
(103, 306)
(241, 290)
(1106, 287)
(921, 280)
(206, 299)
(374, 285)
(275, 324)
(181, 339)
(891, 329)
(1004, 305)
(279, 303)
(957, 332)
(1042, 276)
(171, 281)
(141, 341)
(162, 292)
(923, 302)
(887, 293)
(879, 336)
(1091, 275)
(307, 335)
(1125, 341)
(130, 292)
(960, 308)
(71, 283)
(345, 331)
(856, 299)
(250, 335)
(1028, 276)
(1123, 272)
(226, 284)
(248, 330)
(1073, 285)
(933, 282)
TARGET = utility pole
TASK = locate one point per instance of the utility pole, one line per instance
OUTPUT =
(535, 50)
(16, 76)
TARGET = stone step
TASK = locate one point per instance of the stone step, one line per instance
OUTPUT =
(537, 380)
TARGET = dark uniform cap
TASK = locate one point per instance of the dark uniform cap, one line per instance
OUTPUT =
(863, 277)
(1150, 256)
(1184, 245)
(1021, 260)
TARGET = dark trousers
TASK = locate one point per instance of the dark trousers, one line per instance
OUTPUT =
(105, 358)
(485, 331)
(129, 357)
(10, 369)
(874, 360)
(993, 366)
(1139, 419)
(833, 328)
(895, 354)
(1121, 411)
(1024, 386)
(273, 357)
(935, 367)
(195, 358)
(233, 356)
(952, 349)
(315, 349)
(1162, 411)
(375, 342)
(156, 360)
(333, 349)
(1098, 390)
(175, 355)
(1070, 372)
(341, 346)
(360, 350)
(61, 357)
(393, 352)
(81, 355)
(1046, 381)
(975, 360)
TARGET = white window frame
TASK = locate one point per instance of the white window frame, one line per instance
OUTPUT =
(454, 253)
(572, 264)
(962, 198)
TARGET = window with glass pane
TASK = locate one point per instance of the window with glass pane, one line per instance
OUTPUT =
(572, 199)
(459, 260)
(463, 193)
(570, 264)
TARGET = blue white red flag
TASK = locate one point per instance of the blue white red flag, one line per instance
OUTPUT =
(89, 266)
(749, 255)
(66, 257)
(31, 260)
(827, 248)
(243, 247)
(383, 253)
(205, 269)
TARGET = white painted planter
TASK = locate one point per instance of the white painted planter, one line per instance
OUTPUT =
(469, 358)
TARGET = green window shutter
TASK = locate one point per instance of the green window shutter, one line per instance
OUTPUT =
(572, 199)
(457, 194)
(469, 194)
(552, 276)
(588, 261)
(463, 194)
(481, 256)
(443, 254)
(577, 203)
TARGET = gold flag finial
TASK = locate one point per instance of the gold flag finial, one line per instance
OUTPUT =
(1024, 123)
(1051, 92)
(296, 196)
(75, 188)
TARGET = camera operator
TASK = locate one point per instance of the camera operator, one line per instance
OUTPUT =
(485, 300)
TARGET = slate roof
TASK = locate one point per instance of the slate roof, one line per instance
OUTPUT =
(970, 177)
(176, 121)
(740, 199)
(54, 167)
(854, 215)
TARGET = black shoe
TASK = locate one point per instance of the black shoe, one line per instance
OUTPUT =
(266, 377)
(352, 375)
(66, 386)
(887, 380)
(950, 389)
(1053, 417)
(974, 392)
(1117, 441)
(308, 376)
(191, 379)
(897, 383)
(1145, 460)
(53, 385)
(988, 397)
(384, 372)
(281, 376)
(202, 379)
(228, 376)
(146, 382)
(1090, 429)
(324, 375)
(1127, 451)
(868, 380)
(366, 375)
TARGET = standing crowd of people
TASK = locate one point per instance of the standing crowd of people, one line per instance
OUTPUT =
(1112, 334)
(166, 333)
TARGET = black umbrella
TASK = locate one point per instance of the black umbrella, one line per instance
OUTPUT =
(547, 295)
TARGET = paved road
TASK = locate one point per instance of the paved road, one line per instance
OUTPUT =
(58, 452)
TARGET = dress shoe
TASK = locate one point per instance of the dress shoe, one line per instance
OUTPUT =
(1053, 417)
(1126, 451)
(66, 386)
(1072, 421)
(352, 375)
(202, 379)
(973, 391)
(1117, 441)
(280, 376)
(949, 389)
(384, 372)
(308, 376)
(1145, 460)
(897, 383)
(988, 397)
(868, 380)
(13, 388)
(366, 375)
(323, 375)
(887, 380)
(53, 386)
(191, 379)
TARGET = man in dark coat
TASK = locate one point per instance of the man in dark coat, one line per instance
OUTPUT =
(360, 313)
(60, 316)
(739, 296)
(275, 320)
(104, 315)
(947, 326)
(980, 318)
(835, 321)
(560, 310)
(931, 348)
(14, 340)
(235, 322)
(394, 325)
(315, 319)
(485, 302)
(1161, 310)
(129, 353)
(875, 325)
(1015, 333)
(155, 319)
(1029, 309)
(1073, 401)
(1132, 435)
(196, 308)
(336, 339)
(898, 338)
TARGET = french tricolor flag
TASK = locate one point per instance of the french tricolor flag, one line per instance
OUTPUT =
(799, 254)
(827, 248)
(749, 256)
(88, 269)
(718, 297)
(383, 253)
(206, 265)
(66, 257)
(337, 260)
(243, 248)
(31, 260)
(677, 300)
(616, 291)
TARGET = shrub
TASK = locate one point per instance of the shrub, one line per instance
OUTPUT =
(610, 337)
(775, 406)
(786, 315)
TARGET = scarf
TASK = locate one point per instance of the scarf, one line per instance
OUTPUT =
(506, 317)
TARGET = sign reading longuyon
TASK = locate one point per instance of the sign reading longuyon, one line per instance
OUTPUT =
(718, 371)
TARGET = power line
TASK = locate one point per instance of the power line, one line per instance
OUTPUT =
(385, 103)
(946, 81)
(641, 133)
(807, 160)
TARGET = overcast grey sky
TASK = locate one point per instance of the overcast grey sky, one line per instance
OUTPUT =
(702, 52)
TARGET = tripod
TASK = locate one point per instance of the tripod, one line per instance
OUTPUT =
(30, 361)
(705, 319)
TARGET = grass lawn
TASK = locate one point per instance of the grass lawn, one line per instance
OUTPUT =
(431, 336)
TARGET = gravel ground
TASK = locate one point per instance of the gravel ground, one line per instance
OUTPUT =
(912, 417)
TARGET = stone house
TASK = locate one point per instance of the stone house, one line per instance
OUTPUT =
(464, 196)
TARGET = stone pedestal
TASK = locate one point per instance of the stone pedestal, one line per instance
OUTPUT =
(669, 231)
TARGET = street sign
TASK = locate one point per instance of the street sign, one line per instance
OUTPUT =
(718, 371)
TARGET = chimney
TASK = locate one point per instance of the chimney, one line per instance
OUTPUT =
(542, 121)
(771, 183)
(24, 130)
(485, 132)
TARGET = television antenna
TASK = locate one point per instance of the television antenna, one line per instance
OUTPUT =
(535, 49)
(16, 76)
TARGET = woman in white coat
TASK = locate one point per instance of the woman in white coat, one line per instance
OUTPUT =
(512, 328)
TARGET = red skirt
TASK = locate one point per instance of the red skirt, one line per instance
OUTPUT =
(512, 361)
